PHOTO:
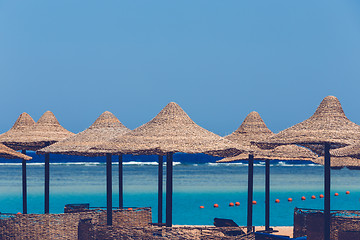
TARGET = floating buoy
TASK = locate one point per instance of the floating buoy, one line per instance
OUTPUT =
(303, 198)
(130, 209)
(347, 192)
(231, 204)
(290, 199)
(313, 197)
(237, 204)
(254, 202)
(277, 200)
(201, 206)
(19, 213)
(216, 205)
(336, 194)
(321, 196)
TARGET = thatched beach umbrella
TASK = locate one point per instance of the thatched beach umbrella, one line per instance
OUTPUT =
(44, 132)
(106, 127)
(253, 128)
(340, 162)
(8, 153)
(327, 128)
(23, 123)
(349, 151)
(171, 131)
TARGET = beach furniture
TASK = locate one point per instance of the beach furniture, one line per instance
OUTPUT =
(169, 132)
(105, 127)
(252, 129)
(345, 224)
(268, 236)
(28, 135)
(328, 128)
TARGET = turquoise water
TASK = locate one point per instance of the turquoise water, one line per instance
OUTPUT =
(194, 185)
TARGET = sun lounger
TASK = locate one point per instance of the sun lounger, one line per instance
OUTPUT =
(268, 236)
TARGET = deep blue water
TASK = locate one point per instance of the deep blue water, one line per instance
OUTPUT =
(198, 181)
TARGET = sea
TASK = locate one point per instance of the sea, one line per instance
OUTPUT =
(197, 181)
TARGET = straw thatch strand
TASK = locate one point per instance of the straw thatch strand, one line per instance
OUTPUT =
(46, 131)
(6, 152)
(328, 125)
(285, 152)
(171, 130)
(23, 123)
(106, 127)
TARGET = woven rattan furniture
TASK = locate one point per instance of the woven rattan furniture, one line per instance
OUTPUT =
(345, 224)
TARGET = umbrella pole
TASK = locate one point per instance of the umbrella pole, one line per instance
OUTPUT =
(108, 189)
(24, 187)
(121, 184)
(250, 192)
(160, 189)
(169, 188)
(47, 182)
(327, 216)
(267, 195)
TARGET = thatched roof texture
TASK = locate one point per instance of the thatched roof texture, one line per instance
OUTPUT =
(349, 151)
(252, 128)
(284, 152)
(171, 130)
(22, 124)
(106, 127)
(45, 131)
(6, 152)
(328, 125)
(340, 162)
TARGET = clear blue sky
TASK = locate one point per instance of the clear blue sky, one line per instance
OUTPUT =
(219, 60)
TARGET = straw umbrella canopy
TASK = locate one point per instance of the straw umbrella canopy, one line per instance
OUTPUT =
(46, 131)
(22, 124)
(105, 127)
(340, 162)
(8, 153)
(285, 153)
(252, 129)
(327, 128)
(349, 151)
(171, 131)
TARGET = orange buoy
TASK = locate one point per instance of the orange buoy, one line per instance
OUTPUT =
(336, 194)
(313, 197)
(237, 204)
(303, 198)
(216, 205)
(277, 200)
(130, 209)
(254, 202)
(19, 213)
(290, 199)
(201, 206)
(347, 192)
(321, 196)
(231, 204)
